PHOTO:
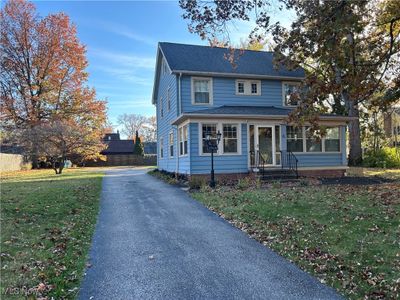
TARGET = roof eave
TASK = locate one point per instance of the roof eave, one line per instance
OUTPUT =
(185, 117)
(253, 76)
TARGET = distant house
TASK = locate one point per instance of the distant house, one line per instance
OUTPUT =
(119, 152)
(198, 94)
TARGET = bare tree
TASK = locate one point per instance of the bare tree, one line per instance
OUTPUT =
(131, 123)
(149, 132)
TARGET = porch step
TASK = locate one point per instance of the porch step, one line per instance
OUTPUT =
(277, 174)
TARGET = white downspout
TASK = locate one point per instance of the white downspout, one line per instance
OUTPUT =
(177, 129)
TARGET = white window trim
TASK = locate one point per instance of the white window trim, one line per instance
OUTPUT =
(247, 87)
(171, 144)
(180, 139)
(210, 90)
(220, 151)
(304, 137)
(283, 92)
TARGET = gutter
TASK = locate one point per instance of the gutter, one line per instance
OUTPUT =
(184, 117)
(238, 75)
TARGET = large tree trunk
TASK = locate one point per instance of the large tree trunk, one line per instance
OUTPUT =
(355, 154)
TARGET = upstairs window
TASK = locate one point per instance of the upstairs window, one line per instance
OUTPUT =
(291, 95)
(254, 88)
(183, 140)
(169, 99)
(201, 90)
(240, 87)
(248, 87)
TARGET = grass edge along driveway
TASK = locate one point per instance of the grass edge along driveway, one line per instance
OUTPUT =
(47, 223)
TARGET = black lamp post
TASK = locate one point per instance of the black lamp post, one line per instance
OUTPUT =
(212, 145)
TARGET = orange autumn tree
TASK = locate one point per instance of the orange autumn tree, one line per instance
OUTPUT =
(43, 79)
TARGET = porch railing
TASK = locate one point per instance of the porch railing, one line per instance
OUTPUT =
(289, 161)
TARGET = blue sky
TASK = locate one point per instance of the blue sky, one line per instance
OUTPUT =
(121, 39)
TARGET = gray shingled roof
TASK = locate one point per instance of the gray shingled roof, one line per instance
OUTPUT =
(194, 58)
(244, 110)
(119, 147)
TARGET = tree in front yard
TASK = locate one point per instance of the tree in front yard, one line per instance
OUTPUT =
(350, 49)
(43, 74)
(138, 149)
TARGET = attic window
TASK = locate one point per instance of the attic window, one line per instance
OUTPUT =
(248, 87)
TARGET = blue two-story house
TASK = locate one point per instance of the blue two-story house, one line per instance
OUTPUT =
(198, 92)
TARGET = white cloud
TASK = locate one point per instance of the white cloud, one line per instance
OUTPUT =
(145, 62)
(122, 30)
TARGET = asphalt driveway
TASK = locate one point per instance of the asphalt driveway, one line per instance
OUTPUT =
(153, 241)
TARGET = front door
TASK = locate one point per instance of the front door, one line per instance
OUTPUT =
(266, 144)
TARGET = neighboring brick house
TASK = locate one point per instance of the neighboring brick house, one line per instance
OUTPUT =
(391, 125)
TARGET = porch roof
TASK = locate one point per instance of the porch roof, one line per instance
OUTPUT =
(249, 112)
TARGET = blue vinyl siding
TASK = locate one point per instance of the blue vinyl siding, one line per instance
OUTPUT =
(222, 163)
(224, 93)
(319, 159)
(164, 123)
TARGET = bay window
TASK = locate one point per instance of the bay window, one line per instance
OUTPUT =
(183, 140)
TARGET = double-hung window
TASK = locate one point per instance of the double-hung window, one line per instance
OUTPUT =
(208, 129)
(313, 141)
(240, 87)
(169, 99)
(254, 88)
(183, 140)
(171, 144)
(291, 93)
(230, 138)
(201, 90)
(161, 147)
(294, 138)
(332, 139)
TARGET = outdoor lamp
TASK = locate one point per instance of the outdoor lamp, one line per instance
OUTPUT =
(212, 147)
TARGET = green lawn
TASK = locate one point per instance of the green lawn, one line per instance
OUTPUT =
(347, 236)
(47, 222)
